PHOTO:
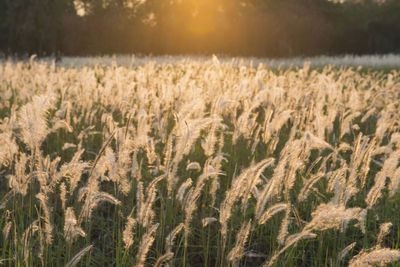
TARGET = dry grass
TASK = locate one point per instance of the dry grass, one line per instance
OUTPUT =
(198, 162)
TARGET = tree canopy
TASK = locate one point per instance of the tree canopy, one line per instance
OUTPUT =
(232, 27)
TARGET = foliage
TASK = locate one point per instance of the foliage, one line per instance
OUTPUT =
(253, 27)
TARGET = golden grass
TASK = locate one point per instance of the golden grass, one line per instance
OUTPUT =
(191, 162)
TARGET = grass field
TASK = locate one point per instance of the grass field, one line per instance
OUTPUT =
(198, 163)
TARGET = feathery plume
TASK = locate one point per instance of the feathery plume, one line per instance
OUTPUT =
(33, 122)
(71, 228)
(169, 240)
(74, 261)
(145, 244)
(182, 189)
(272, 211)
(378, 256)
(291, 240)
(384, 229)
(193, 166)
(208, 220)
(166, 257)
(20, 181)
(47, 223)
(330, 215)
(346, 250)
(238, 250)
(127, 234)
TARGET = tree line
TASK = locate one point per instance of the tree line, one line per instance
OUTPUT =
(273, 28)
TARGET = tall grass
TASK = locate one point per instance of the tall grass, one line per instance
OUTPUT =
(188, 163)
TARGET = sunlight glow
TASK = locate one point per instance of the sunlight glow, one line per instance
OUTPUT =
(79, 8)
(198, 17)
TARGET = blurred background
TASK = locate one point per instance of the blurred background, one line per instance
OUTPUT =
(264, 28)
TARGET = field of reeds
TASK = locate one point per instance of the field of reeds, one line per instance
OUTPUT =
(198, 163)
